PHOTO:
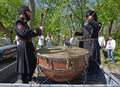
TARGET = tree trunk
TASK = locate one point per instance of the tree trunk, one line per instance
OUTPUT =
(32, 8)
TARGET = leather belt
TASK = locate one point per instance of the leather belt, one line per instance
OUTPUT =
(25, 40)
(89, 39)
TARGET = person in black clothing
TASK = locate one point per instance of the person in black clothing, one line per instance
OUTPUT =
(89, 35)
(26, 59)
(81, 43)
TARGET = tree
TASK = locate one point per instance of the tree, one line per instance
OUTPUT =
(109, 14)
(9, 13)
(31, 4)
(58, 17)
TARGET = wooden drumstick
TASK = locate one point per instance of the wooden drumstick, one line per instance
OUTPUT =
(97, 8)
(2, 28)
(46, 11)
(42, 18)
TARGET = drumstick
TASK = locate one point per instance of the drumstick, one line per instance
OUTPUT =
(2, 28)
(97, 8)
(44, 18)
(41, 19)
(46, 11)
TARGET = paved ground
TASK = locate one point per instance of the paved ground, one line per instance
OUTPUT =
(6, 62)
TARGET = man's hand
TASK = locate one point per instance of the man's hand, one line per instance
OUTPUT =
(90, 18)
(73, 32)
(42, 28)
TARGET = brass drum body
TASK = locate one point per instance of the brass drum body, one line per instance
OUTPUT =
(62, 63)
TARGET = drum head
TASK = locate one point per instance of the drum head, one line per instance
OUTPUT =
(62, 52)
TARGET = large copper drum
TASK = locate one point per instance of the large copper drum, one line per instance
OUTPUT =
(62, 63)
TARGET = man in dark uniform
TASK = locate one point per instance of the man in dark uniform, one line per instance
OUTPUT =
(26, 60)
(90, 39)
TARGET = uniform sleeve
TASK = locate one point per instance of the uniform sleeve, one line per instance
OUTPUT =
(79, 33)
(25, 32)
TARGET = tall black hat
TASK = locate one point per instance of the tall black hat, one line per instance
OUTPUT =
(91, 13)
(24, 9)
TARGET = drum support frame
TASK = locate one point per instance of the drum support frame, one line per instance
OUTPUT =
(39, 71)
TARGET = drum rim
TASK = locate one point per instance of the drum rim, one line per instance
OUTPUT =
(61, 48)
(86, 56)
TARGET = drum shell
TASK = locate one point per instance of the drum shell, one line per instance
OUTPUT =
(62, 69)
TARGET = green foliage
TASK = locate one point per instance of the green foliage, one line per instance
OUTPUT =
(58, 17)
(8, 13)
(109, 11)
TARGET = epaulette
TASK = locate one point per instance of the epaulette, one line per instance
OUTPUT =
(34, 31)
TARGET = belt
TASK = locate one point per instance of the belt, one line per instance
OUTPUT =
(25, 40)
(89, 39)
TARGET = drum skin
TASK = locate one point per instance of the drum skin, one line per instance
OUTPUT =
(63, 63)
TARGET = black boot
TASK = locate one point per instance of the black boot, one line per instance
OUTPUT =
(25, 81)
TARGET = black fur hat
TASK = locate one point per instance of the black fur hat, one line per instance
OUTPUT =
(23, 8)
(90, 13)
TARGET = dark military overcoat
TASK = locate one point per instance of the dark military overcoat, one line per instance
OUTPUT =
(26, 59)
(90, 39)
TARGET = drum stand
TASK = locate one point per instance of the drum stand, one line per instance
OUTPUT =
(66, 80)
(39, 74)
(85, 75)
